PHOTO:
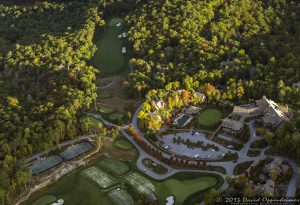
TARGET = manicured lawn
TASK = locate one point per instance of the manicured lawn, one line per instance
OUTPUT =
(106, 110)
(115, 21)
(187, 187)
(116, 116)
(46, 199)
(105, 95)
(84, 186)
(108, 57)
(93, 120)
(113, 166)
(123, 144)
(209, 117)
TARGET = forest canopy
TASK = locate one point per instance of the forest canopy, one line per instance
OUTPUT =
(44, 79)
(253, 44)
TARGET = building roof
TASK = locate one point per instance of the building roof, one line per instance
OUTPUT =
(154, 115)
(192, 110)
(296, 85)
(233, 124)
(246, 111)
(265, 103)
(159, 104)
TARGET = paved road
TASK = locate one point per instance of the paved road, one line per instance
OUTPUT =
(229, 166)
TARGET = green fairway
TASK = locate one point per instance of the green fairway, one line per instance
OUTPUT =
(93, 120)
(123, 144)
(116, 116)
(105, 95)
(187, 187)
(97, 184)
(108, 57)
(46, 199)
(115, 21)
(209, 117)
(106, 110)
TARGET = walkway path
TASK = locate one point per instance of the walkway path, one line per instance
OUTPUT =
(228, 165)
(108, 85)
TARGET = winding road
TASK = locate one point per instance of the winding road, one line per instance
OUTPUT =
(228, 165)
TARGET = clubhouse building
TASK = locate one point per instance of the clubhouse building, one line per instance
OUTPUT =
(266, 111)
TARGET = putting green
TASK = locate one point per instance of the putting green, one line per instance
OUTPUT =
(105, 95)
(46, 199)
(116, 116)
(109, 57)
(93, 120)
(106, 110)
(187, 187)
(115, 21)
(123, 144)
(209, 117)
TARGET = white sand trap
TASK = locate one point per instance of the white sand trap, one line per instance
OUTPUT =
(170, 200)
(124, 50)
(59, 202)
(120, 36)
(118, 24)
(124, 34)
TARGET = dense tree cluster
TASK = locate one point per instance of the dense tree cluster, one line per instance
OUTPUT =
(44, 80)
(151, 117)
(286, 140)
(245, 48)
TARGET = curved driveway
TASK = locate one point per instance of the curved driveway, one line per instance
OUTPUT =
(228, 165)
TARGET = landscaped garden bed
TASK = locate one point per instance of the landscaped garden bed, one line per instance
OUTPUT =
(253, 153)
(157, 168)
(98, 176)
(113, 166)
(259, 144)
(226, 143)
(241, 167)
(120, 197)
(140, 183)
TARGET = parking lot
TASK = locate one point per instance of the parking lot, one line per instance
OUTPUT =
(193, 152)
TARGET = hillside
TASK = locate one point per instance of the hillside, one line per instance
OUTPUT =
(246, 49)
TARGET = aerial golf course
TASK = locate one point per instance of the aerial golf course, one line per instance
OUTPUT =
(110, 181)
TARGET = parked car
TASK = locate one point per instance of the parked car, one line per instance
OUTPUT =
(167, 147)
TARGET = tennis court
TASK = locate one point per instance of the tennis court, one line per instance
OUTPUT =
(76, 150)
(45, 164)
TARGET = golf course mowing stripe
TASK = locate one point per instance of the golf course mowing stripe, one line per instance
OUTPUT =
(109, 57)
